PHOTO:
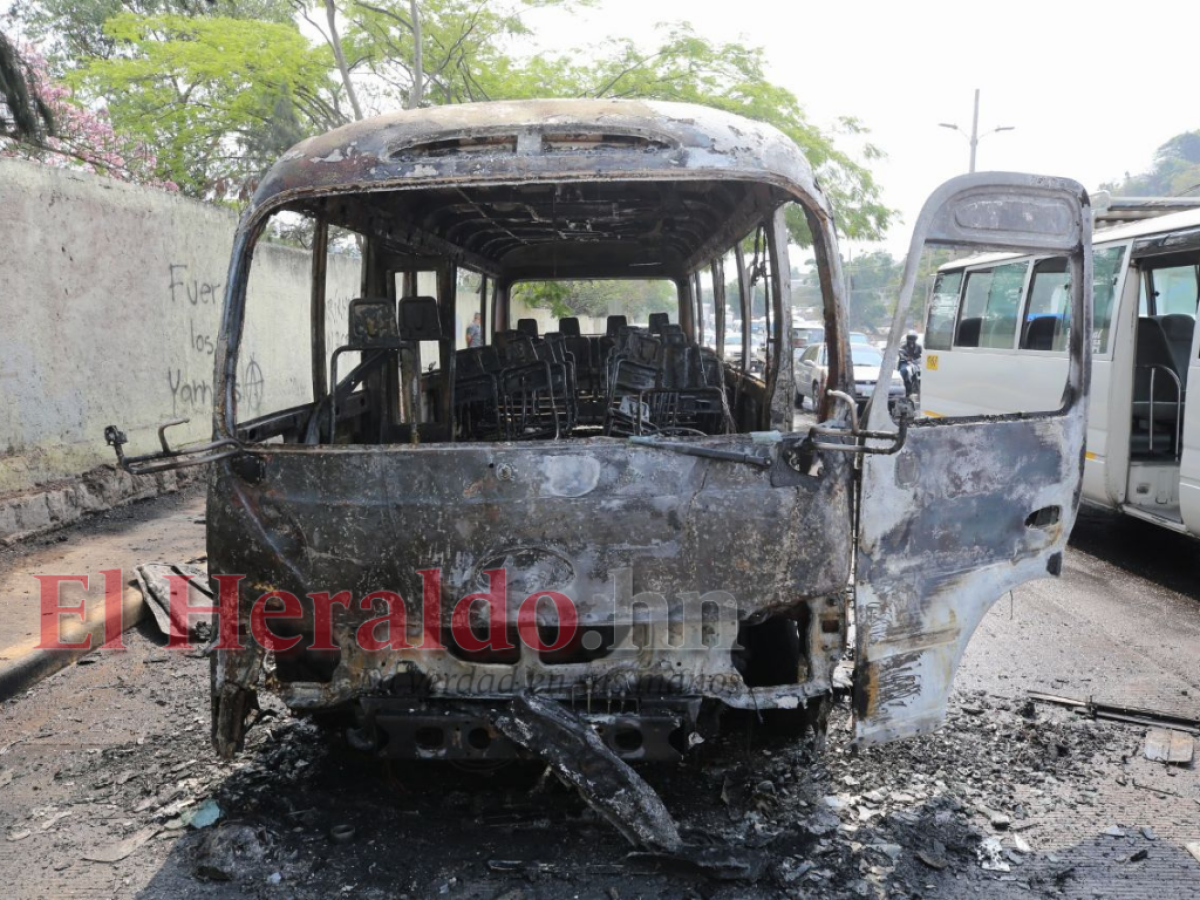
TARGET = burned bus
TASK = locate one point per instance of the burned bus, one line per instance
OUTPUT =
(491, 532)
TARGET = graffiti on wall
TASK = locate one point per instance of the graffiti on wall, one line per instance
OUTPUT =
(195, 395)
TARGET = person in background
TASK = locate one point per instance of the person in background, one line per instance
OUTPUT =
(475, 333)
(910, 361)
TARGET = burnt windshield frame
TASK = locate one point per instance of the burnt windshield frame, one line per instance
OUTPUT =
(254, 222)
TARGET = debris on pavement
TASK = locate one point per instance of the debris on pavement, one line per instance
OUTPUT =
(1165, 745)
(228, 851)
(783, 821)
(606, 782)
(114, 853)
(204, 815)
(1133, 715)
(154, 581)
(991, 855)
(934, 862)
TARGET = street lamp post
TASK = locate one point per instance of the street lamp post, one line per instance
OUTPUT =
(974, 137)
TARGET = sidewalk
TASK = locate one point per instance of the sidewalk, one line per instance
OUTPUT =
(169, 528)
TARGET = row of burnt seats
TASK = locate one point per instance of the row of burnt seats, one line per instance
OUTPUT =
(629, 380)
(517, 388)
(657, 381)
(525, 385)
(380, 331)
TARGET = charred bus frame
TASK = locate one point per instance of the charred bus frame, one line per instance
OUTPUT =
(711, 563)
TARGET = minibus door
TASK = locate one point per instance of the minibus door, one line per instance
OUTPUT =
(954, 513)
(1189, 470)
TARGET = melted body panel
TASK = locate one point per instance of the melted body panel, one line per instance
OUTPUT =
(969, 508)
(602, 522)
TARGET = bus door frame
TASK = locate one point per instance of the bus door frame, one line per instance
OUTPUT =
(955, 512)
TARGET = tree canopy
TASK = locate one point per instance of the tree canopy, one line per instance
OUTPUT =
(71, 135)
(71, 32)
(221, 98)
(1175, 173)
(635, 299)
(220, 89)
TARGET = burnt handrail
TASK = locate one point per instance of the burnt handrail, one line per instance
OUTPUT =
(859, 435)
(169, 458)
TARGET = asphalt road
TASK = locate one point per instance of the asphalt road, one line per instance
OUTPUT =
(111, 758)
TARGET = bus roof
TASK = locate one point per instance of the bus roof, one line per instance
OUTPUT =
(548, 188)
(530, 139)
(1179, 221)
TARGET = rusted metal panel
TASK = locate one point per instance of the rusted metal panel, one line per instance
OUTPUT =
(944, 534)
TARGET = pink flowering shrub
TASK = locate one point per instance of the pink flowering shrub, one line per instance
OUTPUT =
(84, 139)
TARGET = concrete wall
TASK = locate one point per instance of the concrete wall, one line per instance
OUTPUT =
(110, 297)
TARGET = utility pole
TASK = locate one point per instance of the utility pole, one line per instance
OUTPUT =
(974, 137)
(974, 131)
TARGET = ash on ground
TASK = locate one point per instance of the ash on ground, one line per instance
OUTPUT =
(979, 806)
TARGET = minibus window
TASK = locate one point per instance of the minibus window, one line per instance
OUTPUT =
(1047, 318)
(943, 306)
(758, 265)
(276, 373)
(990, 307)
(592, 302)
(1106, 273)
(1175, 290)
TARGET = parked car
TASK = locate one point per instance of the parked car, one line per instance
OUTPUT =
(803, 335)
(810, 374)
(858, 337)
(733, 348)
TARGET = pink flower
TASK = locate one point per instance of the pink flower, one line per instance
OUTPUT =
(85, 139)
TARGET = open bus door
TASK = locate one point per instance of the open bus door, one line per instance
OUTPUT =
(957, 512)
(1189, 473)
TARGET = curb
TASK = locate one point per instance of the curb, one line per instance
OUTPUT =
(20, 674)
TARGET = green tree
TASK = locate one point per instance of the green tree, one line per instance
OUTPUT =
(221, 89)
(72, 31)
(220, 98)
(472, 51)
(463, 45)
(686, 67)
(1175, 173)
(635, 299)
(874, 280)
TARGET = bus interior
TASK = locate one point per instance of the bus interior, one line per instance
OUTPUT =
(435, 259)
(1164, 275)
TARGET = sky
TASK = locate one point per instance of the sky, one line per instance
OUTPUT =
(1087, 97)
